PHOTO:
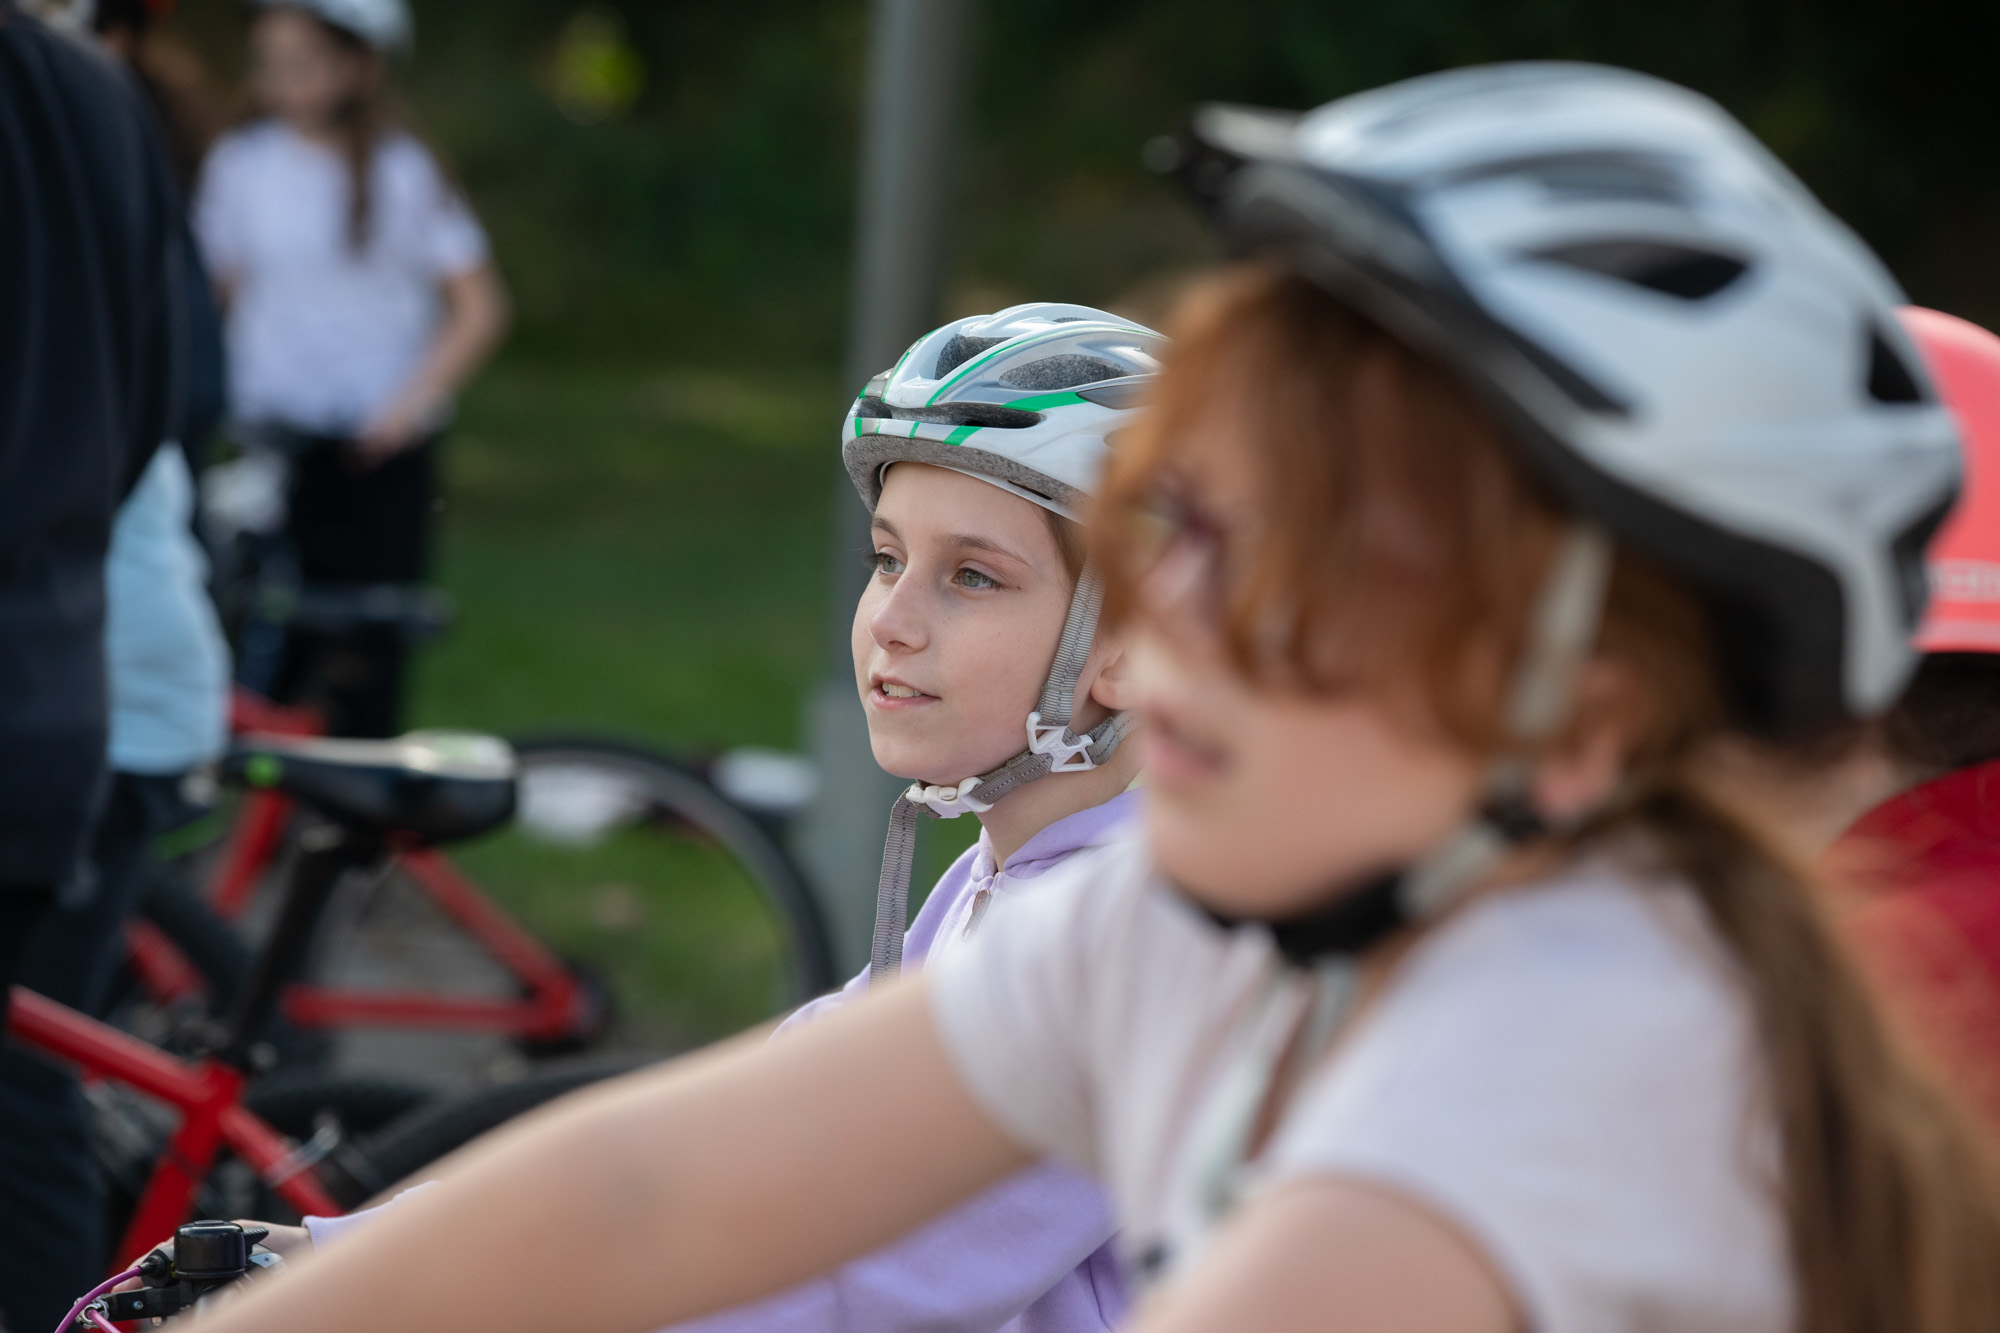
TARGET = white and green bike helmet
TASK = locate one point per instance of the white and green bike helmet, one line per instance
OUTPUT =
(1025, 400)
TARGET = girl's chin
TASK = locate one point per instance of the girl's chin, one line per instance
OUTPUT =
(926, 769)
(1233, 877)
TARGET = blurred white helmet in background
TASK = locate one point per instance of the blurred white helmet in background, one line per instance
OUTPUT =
(383, 24)
(1683, 342)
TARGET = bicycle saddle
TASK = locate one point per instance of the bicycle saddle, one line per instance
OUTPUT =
(434, 786)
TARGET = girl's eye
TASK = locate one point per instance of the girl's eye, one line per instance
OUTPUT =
(972, 578)
(885, 563)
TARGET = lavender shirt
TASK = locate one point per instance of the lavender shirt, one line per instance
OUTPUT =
(1032, 1255)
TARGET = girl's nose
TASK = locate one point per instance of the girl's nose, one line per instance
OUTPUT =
(900, 623)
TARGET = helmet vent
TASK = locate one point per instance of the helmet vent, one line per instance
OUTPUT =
(1622, 176)
(1889, 378)
(1117, 394)
(1672, 270)
(960, 350)
(949, 414)
(1063, 371)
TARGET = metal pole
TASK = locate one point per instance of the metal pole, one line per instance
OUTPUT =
(916, 62)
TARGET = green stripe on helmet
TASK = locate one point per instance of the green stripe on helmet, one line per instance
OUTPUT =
(1046, 400)
(961, 435)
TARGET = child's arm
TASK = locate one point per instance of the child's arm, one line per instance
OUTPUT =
(1383, 1260)
(722, 1177)
(475, 319)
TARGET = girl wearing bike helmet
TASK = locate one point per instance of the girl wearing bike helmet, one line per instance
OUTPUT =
(1558, 435)
(977, 661)
(981, 674)
(360, 299)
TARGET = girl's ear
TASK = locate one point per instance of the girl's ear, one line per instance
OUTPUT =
(1112, 688)
(1582, 772)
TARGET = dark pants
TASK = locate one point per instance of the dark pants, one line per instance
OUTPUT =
(350, 525)
(52, 1242)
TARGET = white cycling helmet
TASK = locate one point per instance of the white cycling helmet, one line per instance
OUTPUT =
(1025, 400)
(1022, 398)
(383, 24)
(1685, 344)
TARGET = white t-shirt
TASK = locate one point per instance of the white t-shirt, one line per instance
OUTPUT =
(320, 337)
(1565, 1071)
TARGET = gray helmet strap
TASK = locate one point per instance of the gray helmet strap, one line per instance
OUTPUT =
(892, 891)
(1053, 748)
(1541, 699)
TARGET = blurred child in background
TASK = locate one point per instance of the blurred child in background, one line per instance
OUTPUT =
(360, 298)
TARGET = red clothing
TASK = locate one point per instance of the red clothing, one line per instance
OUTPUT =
(1927, 923)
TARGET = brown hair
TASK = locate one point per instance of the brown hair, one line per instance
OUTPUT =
(1949, 716)
(360, 121)
(1399, 547)
(1071, 542)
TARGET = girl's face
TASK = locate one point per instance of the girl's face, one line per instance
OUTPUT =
(1262, 800)
(954, 636)
(299, 72)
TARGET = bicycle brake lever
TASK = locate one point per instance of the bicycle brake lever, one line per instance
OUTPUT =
(147, 1303)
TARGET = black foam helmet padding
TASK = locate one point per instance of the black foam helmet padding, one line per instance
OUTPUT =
(1065, 370)
(989, 415)
(960, 350)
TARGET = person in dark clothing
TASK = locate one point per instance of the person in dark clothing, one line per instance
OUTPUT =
(91, 287)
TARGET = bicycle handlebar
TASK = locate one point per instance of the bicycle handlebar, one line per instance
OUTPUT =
(78, 1310)
(202, 1257)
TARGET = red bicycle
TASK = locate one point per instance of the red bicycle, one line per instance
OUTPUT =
(592, 813)
(370, 797)
(207, 1097)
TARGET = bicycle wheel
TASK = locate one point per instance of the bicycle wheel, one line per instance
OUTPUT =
(682, 898)
(406, 1146)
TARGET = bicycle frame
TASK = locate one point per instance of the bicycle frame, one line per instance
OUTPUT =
(206, 1093)
(551, 1010)
(553, 1007)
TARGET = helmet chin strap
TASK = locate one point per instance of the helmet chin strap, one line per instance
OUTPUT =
(1307, 1002)
(1052, 748)
(1561, 632)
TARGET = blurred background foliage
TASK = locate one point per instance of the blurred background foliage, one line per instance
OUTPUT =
(674, 180)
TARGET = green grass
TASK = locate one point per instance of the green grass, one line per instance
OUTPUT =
(676, 927)
(641, 552)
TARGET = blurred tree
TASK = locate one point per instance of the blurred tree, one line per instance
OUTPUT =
(597, 74)
(710, 221)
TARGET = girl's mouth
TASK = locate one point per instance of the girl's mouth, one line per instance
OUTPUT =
(1176, 756)
(894, 694)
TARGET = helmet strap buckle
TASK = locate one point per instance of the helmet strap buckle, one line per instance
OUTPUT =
(949, 802)
(1067, 752)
